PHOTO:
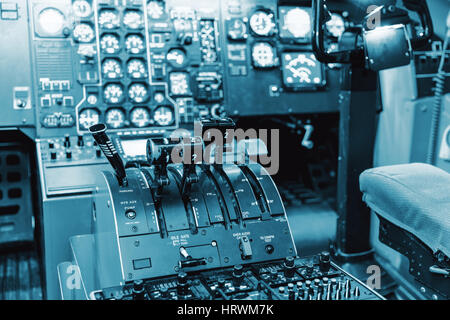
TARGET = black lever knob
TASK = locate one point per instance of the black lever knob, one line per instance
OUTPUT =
(98, 131)
(289, 267)
(182, 285)
(324, 261)
(238, 274)
(138, 290)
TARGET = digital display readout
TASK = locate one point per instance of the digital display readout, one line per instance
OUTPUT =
(134, 148)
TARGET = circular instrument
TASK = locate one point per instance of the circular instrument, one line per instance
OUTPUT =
(83, 32)
(264, 55)
(176, 57)
(111, 69)
(136, 69)
(155, 9)
(81, 8)
(237, 29)
(115, 118)
(133, 19)
(262, 23)
(113, 93)
(134, 44)
(140, 117)
(163, 116)
(336, 26)
(109, 43)
(109, 19)
(138, 92)
(51, 21)
(88, 117)
(297, 21)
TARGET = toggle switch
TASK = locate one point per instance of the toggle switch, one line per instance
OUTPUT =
(245, 247)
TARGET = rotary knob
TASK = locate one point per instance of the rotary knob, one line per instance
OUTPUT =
(324, 261)
(289, 267)
(138, 290)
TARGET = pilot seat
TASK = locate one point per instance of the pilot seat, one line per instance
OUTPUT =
(412, 202)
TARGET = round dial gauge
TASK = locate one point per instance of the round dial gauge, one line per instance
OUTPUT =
(111, 69)
(336, 26)
(133, 19)
(301, 68)
(176, 57)
(136, 69)
(140, 117)
(237, 29)
(109, 43)
(155, 9)
(163, 116)
(83, 32)
(115, 118)
(88, 118)
(81, 8)
(298, 22)
(138, 92)
(262, 23)
(51, 21)
(108, 19)
(264, 55)
(134, 44)
(113, 93)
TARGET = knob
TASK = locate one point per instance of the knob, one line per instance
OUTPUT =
(309, 269)
(324, 261)
(138, 290)
(273, 274)
(67, 142)
(182, 285)
(289, 267)
(53, 155)
(80, 141)
(182, 278)
(51, 145)
(164, 292)
(356, 292)
(98, 153)
(130, 214)
(238, 274)
(69, 154)
(221, 282)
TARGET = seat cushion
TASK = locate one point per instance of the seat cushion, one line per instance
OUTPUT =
(415, 197)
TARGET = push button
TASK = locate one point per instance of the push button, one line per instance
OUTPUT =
(130, 214)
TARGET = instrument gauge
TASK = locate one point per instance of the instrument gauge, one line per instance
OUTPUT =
(133, 19)
(336, 26)
(301, 70)
(109, 43)
(109, 19)
(134, 44)
(236, 29)
(155, 9)
(136, 69)
(115, 118)
(113, 93)
(138, 92)
(83, 32)
(297, 22)
(88, 117)
(111, 69)
(163, 116)
(264, 55)
(51, 21)
(176, 57)
(81, 8)
(140, 117)
(262, 23)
